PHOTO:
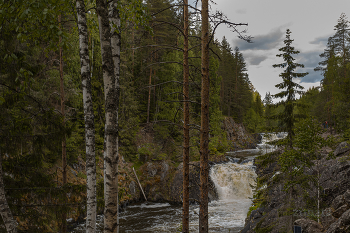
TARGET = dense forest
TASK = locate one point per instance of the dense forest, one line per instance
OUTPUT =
(44, 112)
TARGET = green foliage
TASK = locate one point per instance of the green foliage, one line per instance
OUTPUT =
(288, 117)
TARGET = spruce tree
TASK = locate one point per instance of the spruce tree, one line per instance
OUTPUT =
(287, 117)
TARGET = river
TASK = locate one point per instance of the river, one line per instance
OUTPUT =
(233, 181)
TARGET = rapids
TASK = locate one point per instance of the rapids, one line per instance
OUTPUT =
(233, 182)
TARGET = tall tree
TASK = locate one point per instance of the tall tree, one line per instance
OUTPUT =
(110, 160)
(287, 117)
(89, 118)
(268, 110)
(204, 142)
(114, 20)
(186, 142)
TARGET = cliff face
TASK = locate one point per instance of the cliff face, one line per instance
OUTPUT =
(237, 135)
(334, 198)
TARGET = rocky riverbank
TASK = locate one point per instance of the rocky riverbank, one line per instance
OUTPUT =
(268, 211)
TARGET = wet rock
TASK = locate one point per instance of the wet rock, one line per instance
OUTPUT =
(342, 148)
(308, 225)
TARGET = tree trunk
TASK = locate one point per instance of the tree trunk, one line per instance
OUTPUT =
(149, 92)
(110, 160)
(89, 119)
(204, 148)
(6, 214)
(114, 20)
(186, 146)
(64, 156)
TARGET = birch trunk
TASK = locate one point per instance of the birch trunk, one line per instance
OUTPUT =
(114, 20)
(186, 143)
(110, 192)
(88, 117)
(6, 214)
(204, 149)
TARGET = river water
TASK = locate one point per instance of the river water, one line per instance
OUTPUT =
(233, 181)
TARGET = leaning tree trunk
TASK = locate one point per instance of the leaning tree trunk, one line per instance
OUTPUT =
(114, 20)
(89, 119)
(204, 148)
(6, 214)
(110, 192)
(186, 143)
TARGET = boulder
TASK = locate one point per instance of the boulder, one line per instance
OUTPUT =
(342, 148)
(308, 225)
(341, 225)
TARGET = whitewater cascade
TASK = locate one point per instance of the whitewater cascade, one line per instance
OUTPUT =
(233, 182)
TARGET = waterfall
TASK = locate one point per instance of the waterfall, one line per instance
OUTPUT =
(233, 181)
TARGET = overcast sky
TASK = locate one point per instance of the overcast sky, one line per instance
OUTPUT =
(310, 21)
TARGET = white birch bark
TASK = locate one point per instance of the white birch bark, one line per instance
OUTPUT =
(89, 119)
(111, 191)
(6, 214)
(114, 20)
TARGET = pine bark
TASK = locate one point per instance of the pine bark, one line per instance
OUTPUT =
(110, 160)
(88, 117)
(114, 20)
(204, 142)
(186, 143)
(5, 211)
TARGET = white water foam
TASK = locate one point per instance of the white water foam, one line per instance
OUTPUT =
(233, 183)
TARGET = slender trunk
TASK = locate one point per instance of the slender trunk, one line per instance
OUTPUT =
(6, 214)
(149, 92)
(64, 156)
(89, 119)
(186, 146)
(110, 160)
(204, 143)
(114, 20)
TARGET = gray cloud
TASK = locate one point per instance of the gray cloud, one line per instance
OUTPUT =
(262, 42)
(321, 40)
(257, 59)
(312, 77)
(310, 59)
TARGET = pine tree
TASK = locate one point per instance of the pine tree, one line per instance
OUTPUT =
(287, 117)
